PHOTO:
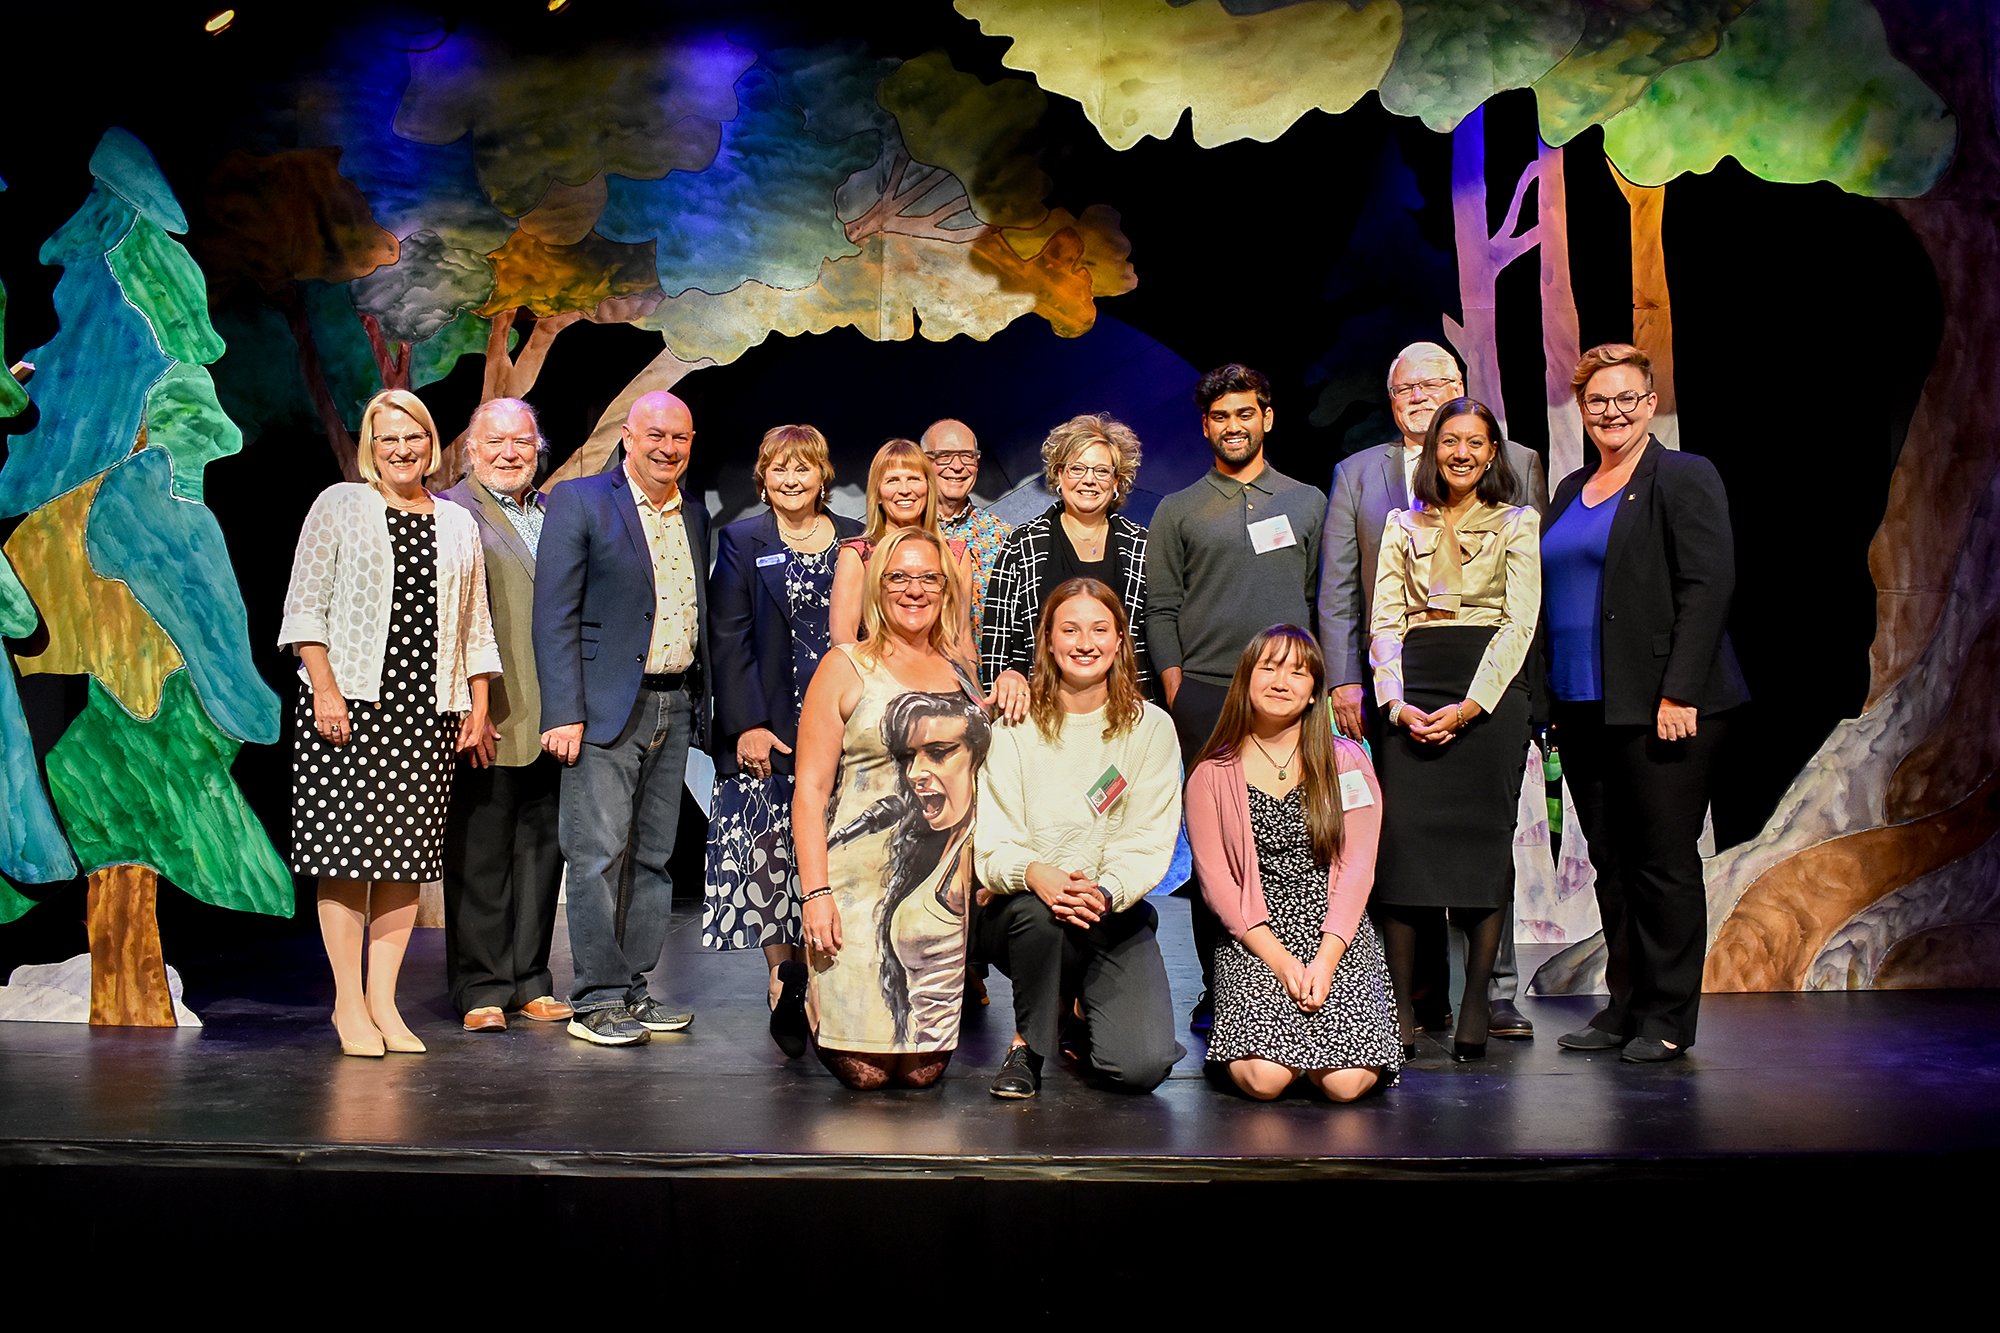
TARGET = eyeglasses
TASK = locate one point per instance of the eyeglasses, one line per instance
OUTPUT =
(1098, 472)
(1429, 388)
(897, 580)
(394, 440)
(1597, 404)
(955, 458)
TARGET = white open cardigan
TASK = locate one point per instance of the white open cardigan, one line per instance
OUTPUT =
(343, 578)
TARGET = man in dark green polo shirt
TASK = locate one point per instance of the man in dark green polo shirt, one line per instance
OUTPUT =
(1226, 558)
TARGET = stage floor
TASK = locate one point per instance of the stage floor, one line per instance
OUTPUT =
(1776, 1081)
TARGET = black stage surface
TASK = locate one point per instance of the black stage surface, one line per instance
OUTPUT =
(713, 1133)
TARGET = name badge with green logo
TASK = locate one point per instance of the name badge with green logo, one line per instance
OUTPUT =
(1105, 792)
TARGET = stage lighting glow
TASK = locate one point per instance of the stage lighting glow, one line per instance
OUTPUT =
(218, 21)
(558, 6)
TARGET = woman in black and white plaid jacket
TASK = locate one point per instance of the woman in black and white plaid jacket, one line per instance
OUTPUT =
(1091, 462)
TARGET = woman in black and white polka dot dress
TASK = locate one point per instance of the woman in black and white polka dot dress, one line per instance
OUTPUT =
(387, 611)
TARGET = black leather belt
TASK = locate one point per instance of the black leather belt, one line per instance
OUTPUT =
(664, 680)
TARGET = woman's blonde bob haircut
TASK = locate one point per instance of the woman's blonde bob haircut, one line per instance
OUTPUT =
(408, 402)
(1070, 439)
(944, 631)
(796, 444)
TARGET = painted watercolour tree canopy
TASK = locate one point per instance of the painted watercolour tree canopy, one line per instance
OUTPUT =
(1801, 90)
(1137, 65)
(1796, 90)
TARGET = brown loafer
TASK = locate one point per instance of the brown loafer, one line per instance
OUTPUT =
(486, 1018)
(547, 1009)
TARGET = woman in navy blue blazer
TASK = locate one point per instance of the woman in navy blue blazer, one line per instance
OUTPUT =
(768, 601)
(1638, 565)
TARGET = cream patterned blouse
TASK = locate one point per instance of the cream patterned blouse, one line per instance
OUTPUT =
(343, 579)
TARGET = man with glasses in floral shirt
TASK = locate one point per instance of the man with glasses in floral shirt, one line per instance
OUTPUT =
(954, 452)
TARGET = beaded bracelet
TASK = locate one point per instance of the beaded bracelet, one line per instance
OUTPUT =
(814, 894)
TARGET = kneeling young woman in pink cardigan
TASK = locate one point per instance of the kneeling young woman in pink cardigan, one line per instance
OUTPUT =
(1283, 816)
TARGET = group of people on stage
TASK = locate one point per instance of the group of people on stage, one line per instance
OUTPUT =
(1334, 698)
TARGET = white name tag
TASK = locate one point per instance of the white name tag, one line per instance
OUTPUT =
(1354, 791)
(1272, 534)
(764, 560)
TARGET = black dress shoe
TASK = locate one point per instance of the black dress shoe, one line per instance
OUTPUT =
(1507, 1021)
(1465, 1052)
(1437, 1022)
(1591, 1039)
(1650, 1051)
(1020, 1075)
(1201, 1018)
(788, 1015)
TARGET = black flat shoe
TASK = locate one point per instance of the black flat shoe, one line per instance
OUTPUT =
(1650, 1051)
(788, 1016)
(1465, 1052)
(1590, 1039)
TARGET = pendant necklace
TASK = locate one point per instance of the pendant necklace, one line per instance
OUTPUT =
(1274, 763)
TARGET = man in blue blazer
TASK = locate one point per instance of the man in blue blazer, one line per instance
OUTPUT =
(1366, 486)
(620, 647)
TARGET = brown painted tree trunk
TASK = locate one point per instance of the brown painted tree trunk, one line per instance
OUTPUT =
(128, 970)
(391, 363)
(339, 439)
(1652, 306)
(1561, 340)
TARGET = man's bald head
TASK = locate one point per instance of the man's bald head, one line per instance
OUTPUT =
(949, 434)
(659, 400)
(658, 433)
(954, 451)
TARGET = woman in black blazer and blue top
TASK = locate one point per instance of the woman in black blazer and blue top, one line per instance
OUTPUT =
(768, 601)
(1638, 565)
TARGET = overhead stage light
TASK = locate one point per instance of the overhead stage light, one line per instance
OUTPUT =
(558, 6)
(219, 21)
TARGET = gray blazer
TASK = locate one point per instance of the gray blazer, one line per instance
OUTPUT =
(1366, 486)
(514, 700)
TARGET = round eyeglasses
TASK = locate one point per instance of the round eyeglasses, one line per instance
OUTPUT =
(1597, 404)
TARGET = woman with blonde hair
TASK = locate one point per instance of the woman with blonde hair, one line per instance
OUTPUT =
(1081, 811)
(387, 612)
(1283, 816)
(1091, 463)
(902, 493)
(891, 738)
(768, 601)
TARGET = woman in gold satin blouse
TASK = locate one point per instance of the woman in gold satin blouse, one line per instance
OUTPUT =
(1457, 591)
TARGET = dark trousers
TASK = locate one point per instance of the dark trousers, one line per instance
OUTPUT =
(1114, 967)
(1641, 800)
(1195, 711)
(502, 868)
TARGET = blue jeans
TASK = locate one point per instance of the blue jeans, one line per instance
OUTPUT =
(620, 807)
